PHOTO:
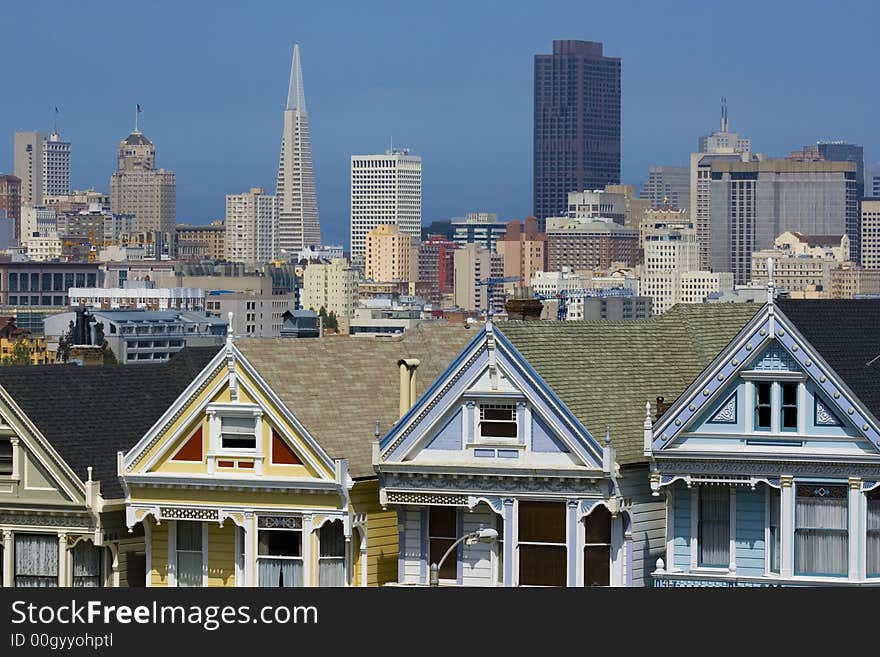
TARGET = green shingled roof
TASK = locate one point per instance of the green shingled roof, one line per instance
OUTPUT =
(605, 371)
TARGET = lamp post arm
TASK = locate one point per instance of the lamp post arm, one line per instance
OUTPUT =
(452, 547)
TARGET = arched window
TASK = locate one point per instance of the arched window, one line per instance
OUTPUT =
(597, 547)
(331, 554)
(86, 565)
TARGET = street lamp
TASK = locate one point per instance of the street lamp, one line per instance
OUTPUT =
(482, 535)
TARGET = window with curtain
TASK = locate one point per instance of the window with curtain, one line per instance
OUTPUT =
(442, 533)
(86, 565)
(820, 530)
(713, 527)
(763, 408)
(238, 432)
(499, 549)
(541, 546)
(331, 554)
(873, 529)
(189, 553)
(597, 547)
(774, 523)
(36, 560)
(279, 558)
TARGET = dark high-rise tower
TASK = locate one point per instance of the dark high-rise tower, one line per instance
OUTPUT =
(577, 124)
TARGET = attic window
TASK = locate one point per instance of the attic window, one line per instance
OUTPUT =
(238, 432)
(498, 421)
(5, 455)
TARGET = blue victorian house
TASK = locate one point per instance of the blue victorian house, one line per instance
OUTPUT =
(769, 462)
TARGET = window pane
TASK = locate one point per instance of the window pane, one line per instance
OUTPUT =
(542, 522)
(442, 522)
(789, 418)
(713, 526)
(36, 560)
(598, 525)
(189, 569)
(498, 429)
(86, 565)
(597, 565)
(764, 417)
(279, 572)
(763, 393)
(789, 394)
(279, 543)
(331, 539)
(5, 456)
(542, 565)
(436, 549)
(775, 501)
(189, 535)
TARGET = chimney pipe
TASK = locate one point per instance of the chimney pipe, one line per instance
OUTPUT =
(407, 368)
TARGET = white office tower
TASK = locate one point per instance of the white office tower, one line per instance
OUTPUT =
(298, 223)
(385, 189)
(56, 165)
(42, 164)
(251, 227)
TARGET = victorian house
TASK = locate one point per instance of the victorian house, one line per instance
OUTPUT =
(62, 509)
(534, 431)
(260, 473)
(769, 463)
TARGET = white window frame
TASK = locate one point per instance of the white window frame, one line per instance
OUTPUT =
(775, 379)
(216, 451)
(695, 541)
(304, 537)
(517, 421)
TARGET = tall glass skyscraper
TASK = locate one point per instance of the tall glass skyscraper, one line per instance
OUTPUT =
(577, 124)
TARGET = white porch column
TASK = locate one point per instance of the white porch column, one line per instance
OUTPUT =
(7, 558)
(616, 551)
(62, 559)
(510, 538)
(307, 524)
(572, 543)
(786, 526)
(670, 531)
(250, 535)
(856, 530)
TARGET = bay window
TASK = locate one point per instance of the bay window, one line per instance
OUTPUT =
(331, 556)
(279, 552)
(86, 565)
(542, 546)
(872, 546)
(190, 561)
(597, 547)
(36, 560)
(713, 527)
(820, 535)
(442, 533)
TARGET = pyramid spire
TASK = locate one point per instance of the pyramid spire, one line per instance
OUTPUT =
(296, 96)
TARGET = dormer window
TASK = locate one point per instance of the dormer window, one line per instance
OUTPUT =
(498, 421)
(763, 407)
(789, 410)
(238, 432)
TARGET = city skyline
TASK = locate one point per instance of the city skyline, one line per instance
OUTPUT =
(438, 101)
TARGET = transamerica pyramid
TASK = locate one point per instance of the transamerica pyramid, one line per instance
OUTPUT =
(298, 224)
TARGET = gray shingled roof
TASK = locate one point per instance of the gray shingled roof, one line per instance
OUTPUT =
(88, 413)
(339, 386)
(605, 371)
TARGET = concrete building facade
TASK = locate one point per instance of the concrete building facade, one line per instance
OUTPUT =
(390, 254)
(252, 228)
(474, 264)
(802, 264)
(10, 201)
(332, 286)
(202, 242)
(587, 245)
(870, 232)
(524, 251)
(385, 189)
(139, 189)
(668, 185)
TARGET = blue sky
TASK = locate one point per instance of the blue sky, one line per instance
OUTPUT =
(450, 80)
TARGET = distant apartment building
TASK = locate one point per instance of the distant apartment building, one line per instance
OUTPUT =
(482, 228)
(251, 227)
(390, 254)
(437, 267)
(548, 284)
(139, 189)
(586, 245)
(253, 315)
(10, 201)
(671, 268)
(753, 202)
(146, 336)
(870, 228)
(385, 189)
(802, 264)
(332, 286)
(38, 220)
(144, 297)
(42, 248)
(202, 242)
(597, 204)
(42, 164)
(618, 305)
(634, 207)
(721, 145)
(872, 184)
(45, 283)
(98, 225)
(77, 200)
(474, 265)
(576, 141)
(849, 280)
(660, 217)
(523, 250)
(668, 185)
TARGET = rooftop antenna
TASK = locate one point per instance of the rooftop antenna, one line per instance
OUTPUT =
(723, 114)
(55, 123)
(137, 111)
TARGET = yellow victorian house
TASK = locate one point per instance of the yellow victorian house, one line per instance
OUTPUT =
(260, 473)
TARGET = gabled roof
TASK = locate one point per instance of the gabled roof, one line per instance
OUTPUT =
(605, 371)
(337, 387)
(845, 333)
(88, 413)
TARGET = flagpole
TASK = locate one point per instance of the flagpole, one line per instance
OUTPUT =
(136, 118)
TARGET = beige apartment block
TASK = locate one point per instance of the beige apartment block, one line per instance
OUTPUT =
(252, 227)
(848, 280)
(390, 254)
(138, 188)
(206, 241)
(332, 286)
(802, 264)
(871, 234)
